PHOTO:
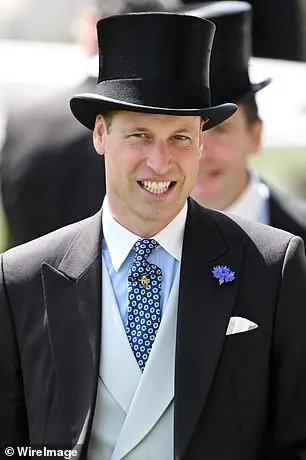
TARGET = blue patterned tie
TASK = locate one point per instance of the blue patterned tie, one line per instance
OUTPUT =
(144, 291)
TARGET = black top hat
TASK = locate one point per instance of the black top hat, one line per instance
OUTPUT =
(155, 63)
(232, 49)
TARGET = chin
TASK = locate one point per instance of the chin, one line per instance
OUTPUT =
(204, 197)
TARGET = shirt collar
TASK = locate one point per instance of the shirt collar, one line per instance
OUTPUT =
(252, 200)
(120, 241)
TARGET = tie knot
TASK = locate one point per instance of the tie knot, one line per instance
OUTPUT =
(144, 248)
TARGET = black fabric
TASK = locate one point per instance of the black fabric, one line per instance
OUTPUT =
(128, 50)
(287, 213)
(154, 62)
(278, 29)
(175, 95)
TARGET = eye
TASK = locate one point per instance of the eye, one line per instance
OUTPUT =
(223, 128)
(140, 135)
(180, 137)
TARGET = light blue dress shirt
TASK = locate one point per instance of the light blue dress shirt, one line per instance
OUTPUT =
(118, 254)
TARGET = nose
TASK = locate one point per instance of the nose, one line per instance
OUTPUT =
(159, 158)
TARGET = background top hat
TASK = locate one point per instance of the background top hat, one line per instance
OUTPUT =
(154, 63)
(231, 51)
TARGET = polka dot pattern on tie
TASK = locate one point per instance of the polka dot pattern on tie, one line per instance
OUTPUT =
(144, 310)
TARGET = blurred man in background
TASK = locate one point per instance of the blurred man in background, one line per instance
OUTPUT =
(50, 176)
(225, 181)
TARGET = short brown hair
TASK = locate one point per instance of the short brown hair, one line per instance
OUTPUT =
(108, 118)
(251, 110)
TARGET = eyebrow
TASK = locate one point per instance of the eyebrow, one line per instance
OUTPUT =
(132, 128)
(183, 129)
(178, 130)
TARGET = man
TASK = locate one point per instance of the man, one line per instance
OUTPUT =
(193, 345)
(225, 181)
(50, 176)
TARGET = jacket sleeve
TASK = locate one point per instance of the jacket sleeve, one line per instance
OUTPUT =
(288, 360)
(13, 418)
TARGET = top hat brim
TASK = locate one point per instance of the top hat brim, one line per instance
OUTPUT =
(253, 89)
(86, 107)
(238, 95)
(259, 86)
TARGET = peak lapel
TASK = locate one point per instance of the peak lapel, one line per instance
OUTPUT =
(204, 311)
(72, 295)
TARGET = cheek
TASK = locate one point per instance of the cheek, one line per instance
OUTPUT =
(231, 152)
(123, 161)
(191, 164)
(114, 163)
(217, 147)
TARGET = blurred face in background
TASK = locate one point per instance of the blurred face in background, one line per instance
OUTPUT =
(223, 173)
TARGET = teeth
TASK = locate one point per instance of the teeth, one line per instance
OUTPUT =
(156, 187)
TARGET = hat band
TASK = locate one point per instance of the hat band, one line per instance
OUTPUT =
(152, 93)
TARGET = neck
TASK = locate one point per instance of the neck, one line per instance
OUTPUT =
(141, 228)
(143, 222)
(239, 191)
(222, 201)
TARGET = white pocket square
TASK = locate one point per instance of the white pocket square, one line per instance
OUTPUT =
(237, 324)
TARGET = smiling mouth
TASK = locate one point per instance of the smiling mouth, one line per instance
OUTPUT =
(156, 187)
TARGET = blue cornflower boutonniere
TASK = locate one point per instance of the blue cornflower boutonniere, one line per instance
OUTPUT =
(223, 273)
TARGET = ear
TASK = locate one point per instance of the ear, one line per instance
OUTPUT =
(99, 133)
(201, 145)
(201, 141)
(256, 134)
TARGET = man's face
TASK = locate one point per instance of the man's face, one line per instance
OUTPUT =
(223, 166)
(151, 164)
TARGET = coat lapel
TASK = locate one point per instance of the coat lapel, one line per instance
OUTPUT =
(287, 213)
(72, 293)
(203, 314)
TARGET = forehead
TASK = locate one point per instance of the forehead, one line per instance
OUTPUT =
(156, 121)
